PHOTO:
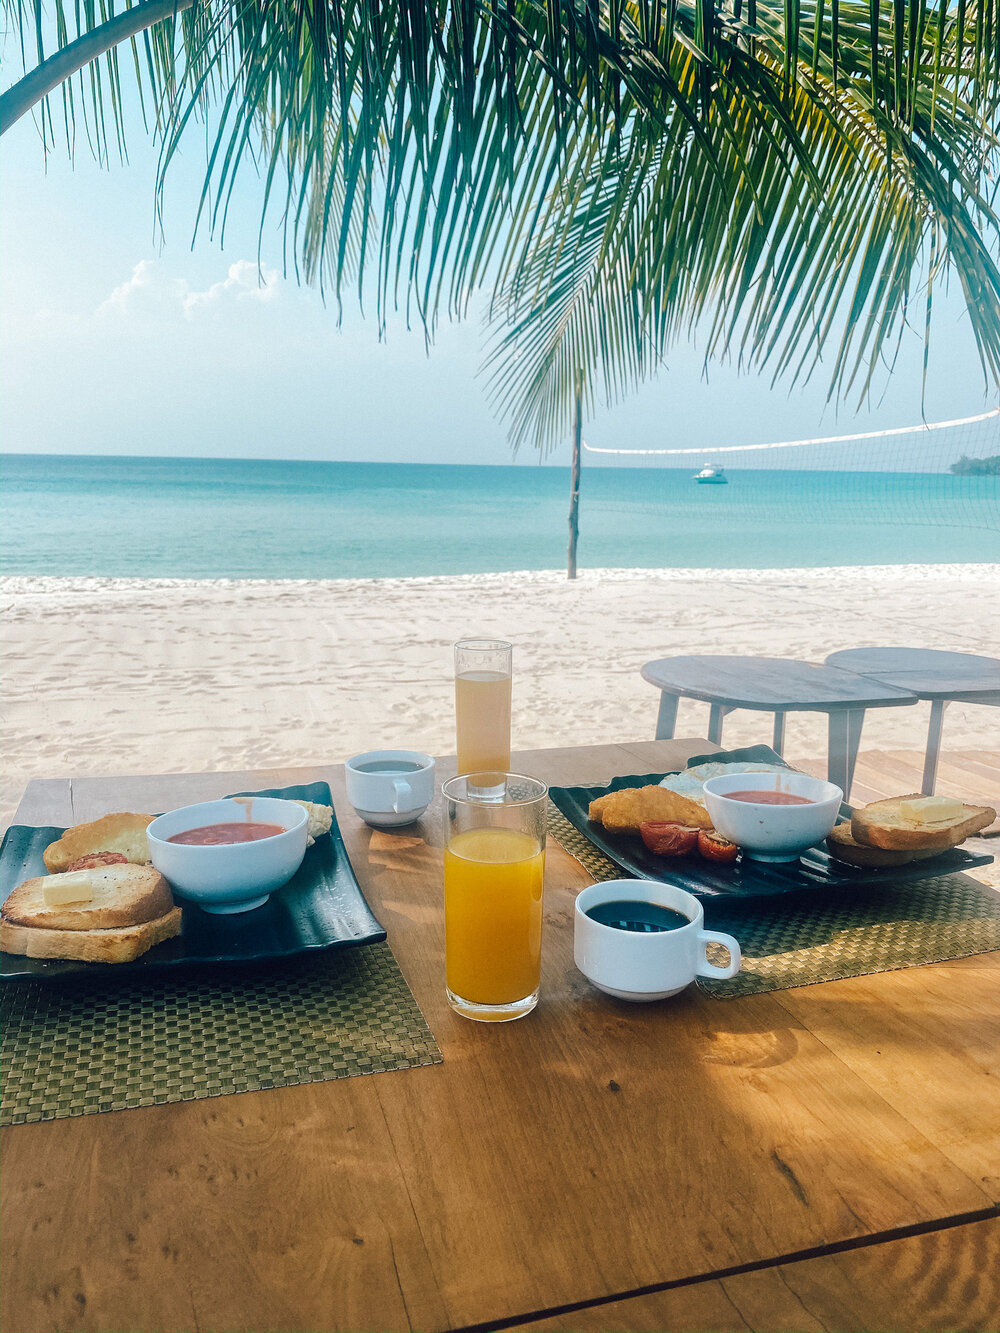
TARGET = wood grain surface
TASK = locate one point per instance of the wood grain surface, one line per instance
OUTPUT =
(589, 1150)
(930, 673)
(771, 682)
(902, 1286)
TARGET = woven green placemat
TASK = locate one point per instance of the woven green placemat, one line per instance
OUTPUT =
(80, 1047)
(798, 939)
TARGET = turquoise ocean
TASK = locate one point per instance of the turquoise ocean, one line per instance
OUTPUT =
(228, 518)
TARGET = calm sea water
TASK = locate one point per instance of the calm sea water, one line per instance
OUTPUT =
(209, 518)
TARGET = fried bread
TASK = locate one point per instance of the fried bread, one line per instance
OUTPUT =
(124, 832)
(625, 811)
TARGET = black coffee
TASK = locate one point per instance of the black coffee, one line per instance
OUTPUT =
(388, 766)
(643, 918)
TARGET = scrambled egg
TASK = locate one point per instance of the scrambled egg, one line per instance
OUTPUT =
(320, 820)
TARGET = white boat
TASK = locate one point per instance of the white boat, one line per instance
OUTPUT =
(711, 476)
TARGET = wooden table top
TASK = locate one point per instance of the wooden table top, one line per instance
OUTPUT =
(819, 1158)
(930, 673)
(767, 683)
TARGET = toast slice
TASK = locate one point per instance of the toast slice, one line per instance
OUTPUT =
(841, 844)
(89, 946)
(627, 810)
(124, 832)
(893, 824)
(112, 898)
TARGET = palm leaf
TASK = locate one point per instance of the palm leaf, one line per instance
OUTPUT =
(616, 173)
(777, 274)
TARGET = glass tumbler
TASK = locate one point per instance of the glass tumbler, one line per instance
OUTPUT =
(482, 705)
(494, 862)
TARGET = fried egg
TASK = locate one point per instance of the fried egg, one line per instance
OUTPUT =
(689, 783)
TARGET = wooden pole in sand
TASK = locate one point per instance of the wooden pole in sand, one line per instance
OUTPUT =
(574, 477)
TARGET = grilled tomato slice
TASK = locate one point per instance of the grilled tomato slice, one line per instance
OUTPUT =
(665, 837)
(714, 847)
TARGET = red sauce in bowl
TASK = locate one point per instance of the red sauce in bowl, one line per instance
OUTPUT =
(217, 835)
(768, 797)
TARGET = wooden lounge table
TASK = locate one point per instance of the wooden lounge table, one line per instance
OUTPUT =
(820, 1158)
(777, 685)
(929, 673)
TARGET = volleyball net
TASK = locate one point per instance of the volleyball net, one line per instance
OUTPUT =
(940, 474)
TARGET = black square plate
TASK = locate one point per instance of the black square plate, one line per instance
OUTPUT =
(321, 907)
(743, 878)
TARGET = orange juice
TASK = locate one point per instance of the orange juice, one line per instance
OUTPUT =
(493, 915)
(482, 719)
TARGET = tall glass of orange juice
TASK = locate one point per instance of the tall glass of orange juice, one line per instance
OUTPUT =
(494, 862)
(482, 705)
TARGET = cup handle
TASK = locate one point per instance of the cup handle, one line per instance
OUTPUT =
(707, 969)
(403, 792)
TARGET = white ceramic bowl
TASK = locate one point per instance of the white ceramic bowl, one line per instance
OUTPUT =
(234, 876)
(773, 832)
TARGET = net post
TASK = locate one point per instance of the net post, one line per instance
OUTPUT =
(574, 480)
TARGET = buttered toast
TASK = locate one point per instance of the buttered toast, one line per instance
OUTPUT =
(105, 898)
(109, 914)
(918, 823)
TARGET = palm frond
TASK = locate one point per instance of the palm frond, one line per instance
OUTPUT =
(617, 172)
(778, 270)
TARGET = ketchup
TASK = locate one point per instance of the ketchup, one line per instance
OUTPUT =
(214, 835)
(769, 797)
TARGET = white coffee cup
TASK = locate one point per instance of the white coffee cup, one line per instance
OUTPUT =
(639, 966)
(390, 787)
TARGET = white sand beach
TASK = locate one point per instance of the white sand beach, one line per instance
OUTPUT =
(121, 676)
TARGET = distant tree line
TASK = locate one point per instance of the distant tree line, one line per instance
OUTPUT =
(977, 467)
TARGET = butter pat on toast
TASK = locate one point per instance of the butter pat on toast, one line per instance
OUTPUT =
(918, 823)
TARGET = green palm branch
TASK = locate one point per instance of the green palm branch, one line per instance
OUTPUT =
(778, 259)
(794, 178)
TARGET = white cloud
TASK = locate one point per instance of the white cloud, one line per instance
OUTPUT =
(148, 287)
(152, 291)
(243, 282)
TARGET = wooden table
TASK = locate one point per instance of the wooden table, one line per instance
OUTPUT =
(821, 1158)
(929, 673)
(777, 685)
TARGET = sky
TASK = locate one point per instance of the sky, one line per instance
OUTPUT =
(114, 340)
